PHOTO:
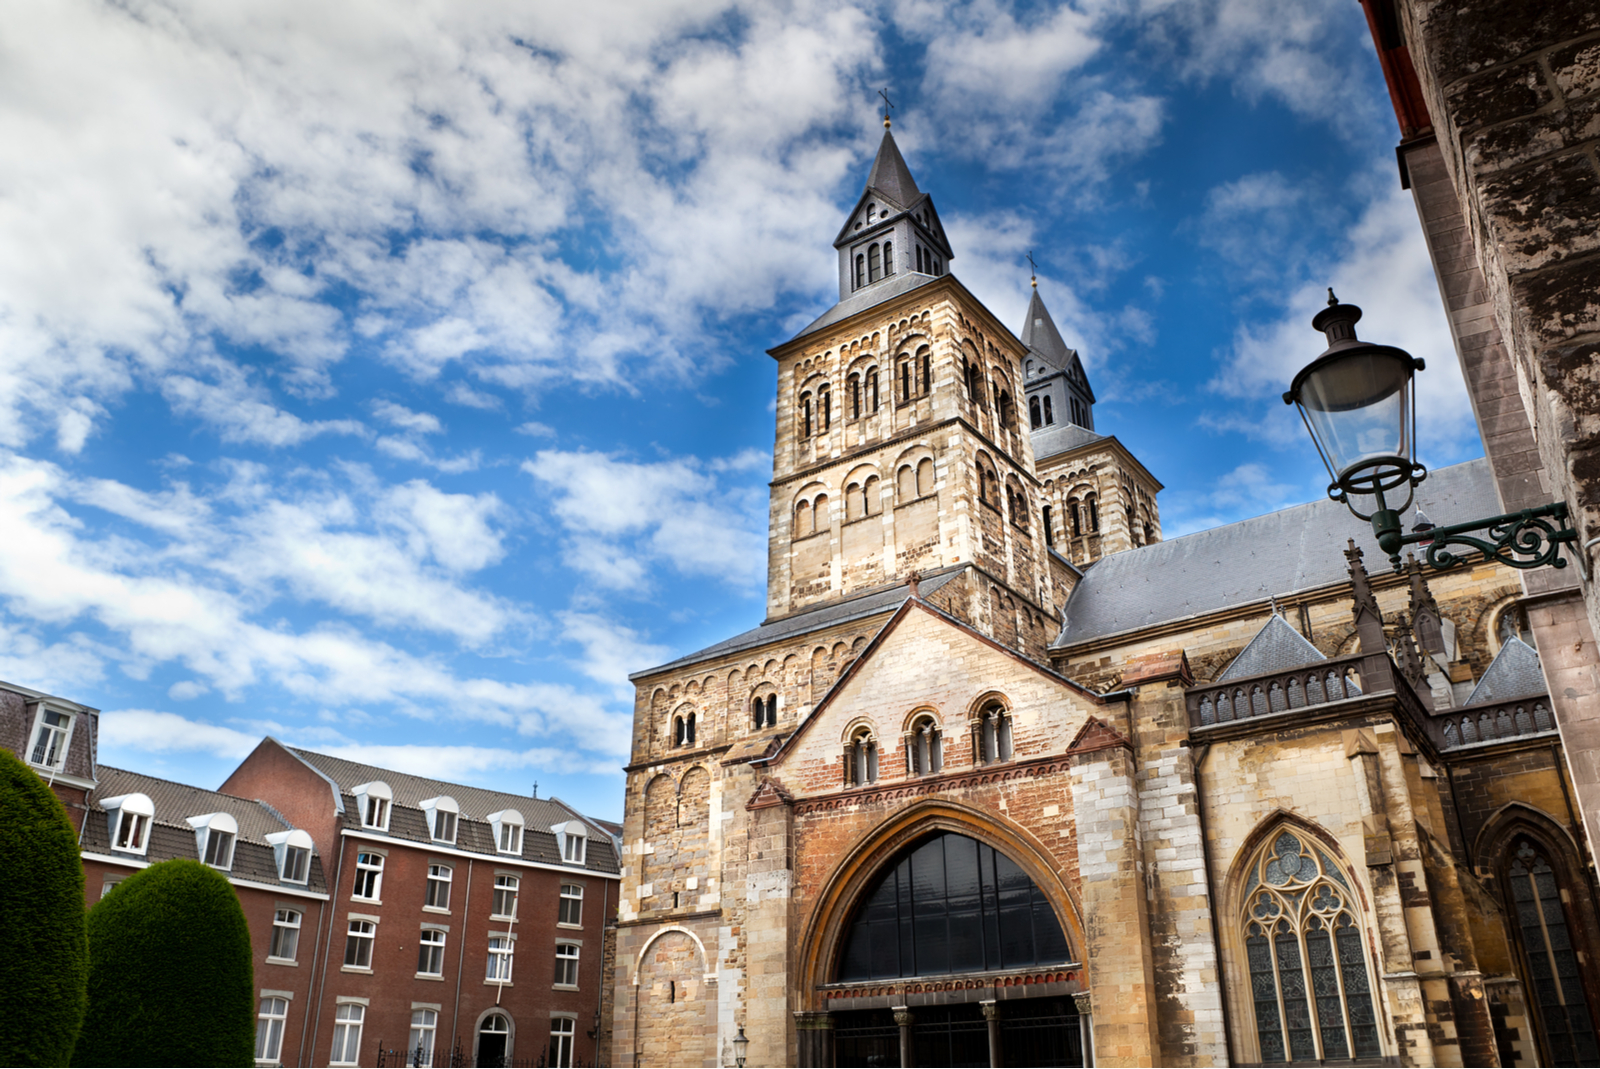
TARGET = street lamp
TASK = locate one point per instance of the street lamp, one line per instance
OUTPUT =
(740, 1046)
(1360, 407)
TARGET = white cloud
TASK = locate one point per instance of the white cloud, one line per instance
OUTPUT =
(610, 650)
(149, 731)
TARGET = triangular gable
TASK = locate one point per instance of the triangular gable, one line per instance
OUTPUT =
(1514, 673)
(769, 794)
(1277, 647)
(1095, 735)
(1076, 372)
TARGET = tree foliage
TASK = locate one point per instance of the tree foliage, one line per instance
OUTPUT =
(44, 952)
(171, 980)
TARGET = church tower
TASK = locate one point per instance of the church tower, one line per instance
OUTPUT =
(900, 445)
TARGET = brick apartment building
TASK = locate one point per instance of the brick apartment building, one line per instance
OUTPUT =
(392, 916)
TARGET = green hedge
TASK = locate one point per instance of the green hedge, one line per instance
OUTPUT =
(44, 951)
(171, 980)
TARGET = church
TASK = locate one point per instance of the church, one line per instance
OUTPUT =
(1006, 778)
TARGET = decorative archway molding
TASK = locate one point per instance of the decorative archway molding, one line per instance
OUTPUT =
(1503, 825)
(822, 938)
(709, 975)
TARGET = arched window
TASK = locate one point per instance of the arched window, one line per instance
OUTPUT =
(888, 258)
(1535, 895)
(905, 484)
(927, 369)
(802, 519)
(1077, 517)
(852, 502)
(1019, 508)
(824, 406)
(924, 753)
(872, 388)
(1094, 513)
(872, 212)
(683, 730)
(993, 731)
(920, 270)
(869, 496)
(764, 711)
(819, 511)
(1035, 415)
(1302, 936)
(861, 758)
(874, 262)
(1049, 534)
(860, 267)
(950, 904)
(905, 381)
(805, 415)
(1049, 415)
(1008, 414)
(924, 477)
(855, 396)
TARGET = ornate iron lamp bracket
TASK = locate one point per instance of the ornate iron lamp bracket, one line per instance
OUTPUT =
(1531, 538)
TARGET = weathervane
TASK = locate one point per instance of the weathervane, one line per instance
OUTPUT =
(887, 104)
(1033, 270)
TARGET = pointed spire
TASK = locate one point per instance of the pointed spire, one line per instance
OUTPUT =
(1040, 335)
(890, 176)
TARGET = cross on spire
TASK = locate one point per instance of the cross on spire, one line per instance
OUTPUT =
(1033, 270)
(887, 105)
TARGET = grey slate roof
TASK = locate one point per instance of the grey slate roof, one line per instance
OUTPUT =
(1277, 647)
(890, 176)
(800, 623)
(877, 294)
(1514, 673)
(1279, 553)
(172, 836)
(1040, 335)
(1048, 441)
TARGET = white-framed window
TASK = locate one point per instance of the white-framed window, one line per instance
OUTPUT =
(571, 910)
(572, 840)
(504, 902)
(270, 1020)
(507, 825)
(51, 732)
(419, 1051)
(347, 1034)
(567, 964)
(358, 944)
(292, 850)
(128, 818)
(369, 876)
(430, 952)
(438, 893)
(215, 834)
(105, 888)
(563, 1030)
(501, 949)
(285, 935)
(374, 799)
(442, 813)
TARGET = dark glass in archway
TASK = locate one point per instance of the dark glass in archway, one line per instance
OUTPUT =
(950, 904)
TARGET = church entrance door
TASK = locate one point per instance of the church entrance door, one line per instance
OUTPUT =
(1036, 1031)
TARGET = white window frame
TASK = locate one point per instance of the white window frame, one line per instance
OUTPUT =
(514, 887)
(572, 840)
(35, 738)
(424, 1033)
(441, 875)
(142, 812)
(369, 872)
(369, 934)
(446, 808)
(567, 958)
(501, 958)
(347, 1023)
(375, 804)
(431, 937)
(212, 848)
(563, 1041)
(577, 897)
(289, 847)
(280, 921)
(267, 1019)
(508, 827)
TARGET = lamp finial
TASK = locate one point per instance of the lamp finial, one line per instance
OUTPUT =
(1332, 300)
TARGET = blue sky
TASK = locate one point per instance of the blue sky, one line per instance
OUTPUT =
(391, 377)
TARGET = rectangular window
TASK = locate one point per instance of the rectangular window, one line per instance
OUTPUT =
(567, 965)
(562, 1033)
(505, 896)
(358, 944)
(269, 1030)
(500, 950)
(131, 828)
(438, 895)
(420, 1050)
(347, 1034)
(369, 876)
(444, 826)
(571, 904)
(430, 953)
(50, 739)
(285, 935)
(105, 888)
(376, 814)
(510, 838)
(577, 847)
(296, 864)
(219, 848)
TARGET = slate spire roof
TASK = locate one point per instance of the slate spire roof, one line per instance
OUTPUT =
(890, 177)
(1040, 335)
(1277, 647)
(1514, 673)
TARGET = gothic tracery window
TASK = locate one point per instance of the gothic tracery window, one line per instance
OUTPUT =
(1309, 979)
(1557, 981)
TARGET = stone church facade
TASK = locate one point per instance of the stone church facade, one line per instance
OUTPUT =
(1005, 778)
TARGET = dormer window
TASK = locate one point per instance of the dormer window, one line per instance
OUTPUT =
(128, 818)
(573, 841)
(442, 813)
(292, 850)
(215, 834)
(51, 731)
(374, 800)
(507, 825)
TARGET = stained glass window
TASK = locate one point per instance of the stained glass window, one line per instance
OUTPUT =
(1308, 969)
(1557, 986)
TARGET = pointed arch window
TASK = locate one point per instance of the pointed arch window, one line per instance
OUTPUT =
(1547, 945)
(861, 758)
(924, 747)
(1309, 978)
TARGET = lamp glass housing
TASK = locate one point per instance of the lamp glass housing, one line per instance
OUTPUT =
(1360, 407)
(741, 1044)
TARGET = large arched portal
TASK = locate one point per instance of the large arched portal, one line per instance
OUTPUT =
(949, 910)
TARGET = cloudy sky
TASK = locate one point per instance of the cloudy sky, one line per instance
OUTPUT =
(389, 376)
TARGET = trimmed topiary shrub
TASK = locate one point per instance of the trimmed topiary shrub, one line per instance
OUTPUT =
(44, 949)
(171, 977)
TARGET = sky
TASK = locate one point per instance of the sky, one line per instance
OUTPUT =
(390, 377)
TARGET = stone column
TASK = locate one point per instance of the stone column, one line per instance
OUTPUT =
(815, 1032)
(904, 1018)
(991, 1017)
(1085, 1003)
